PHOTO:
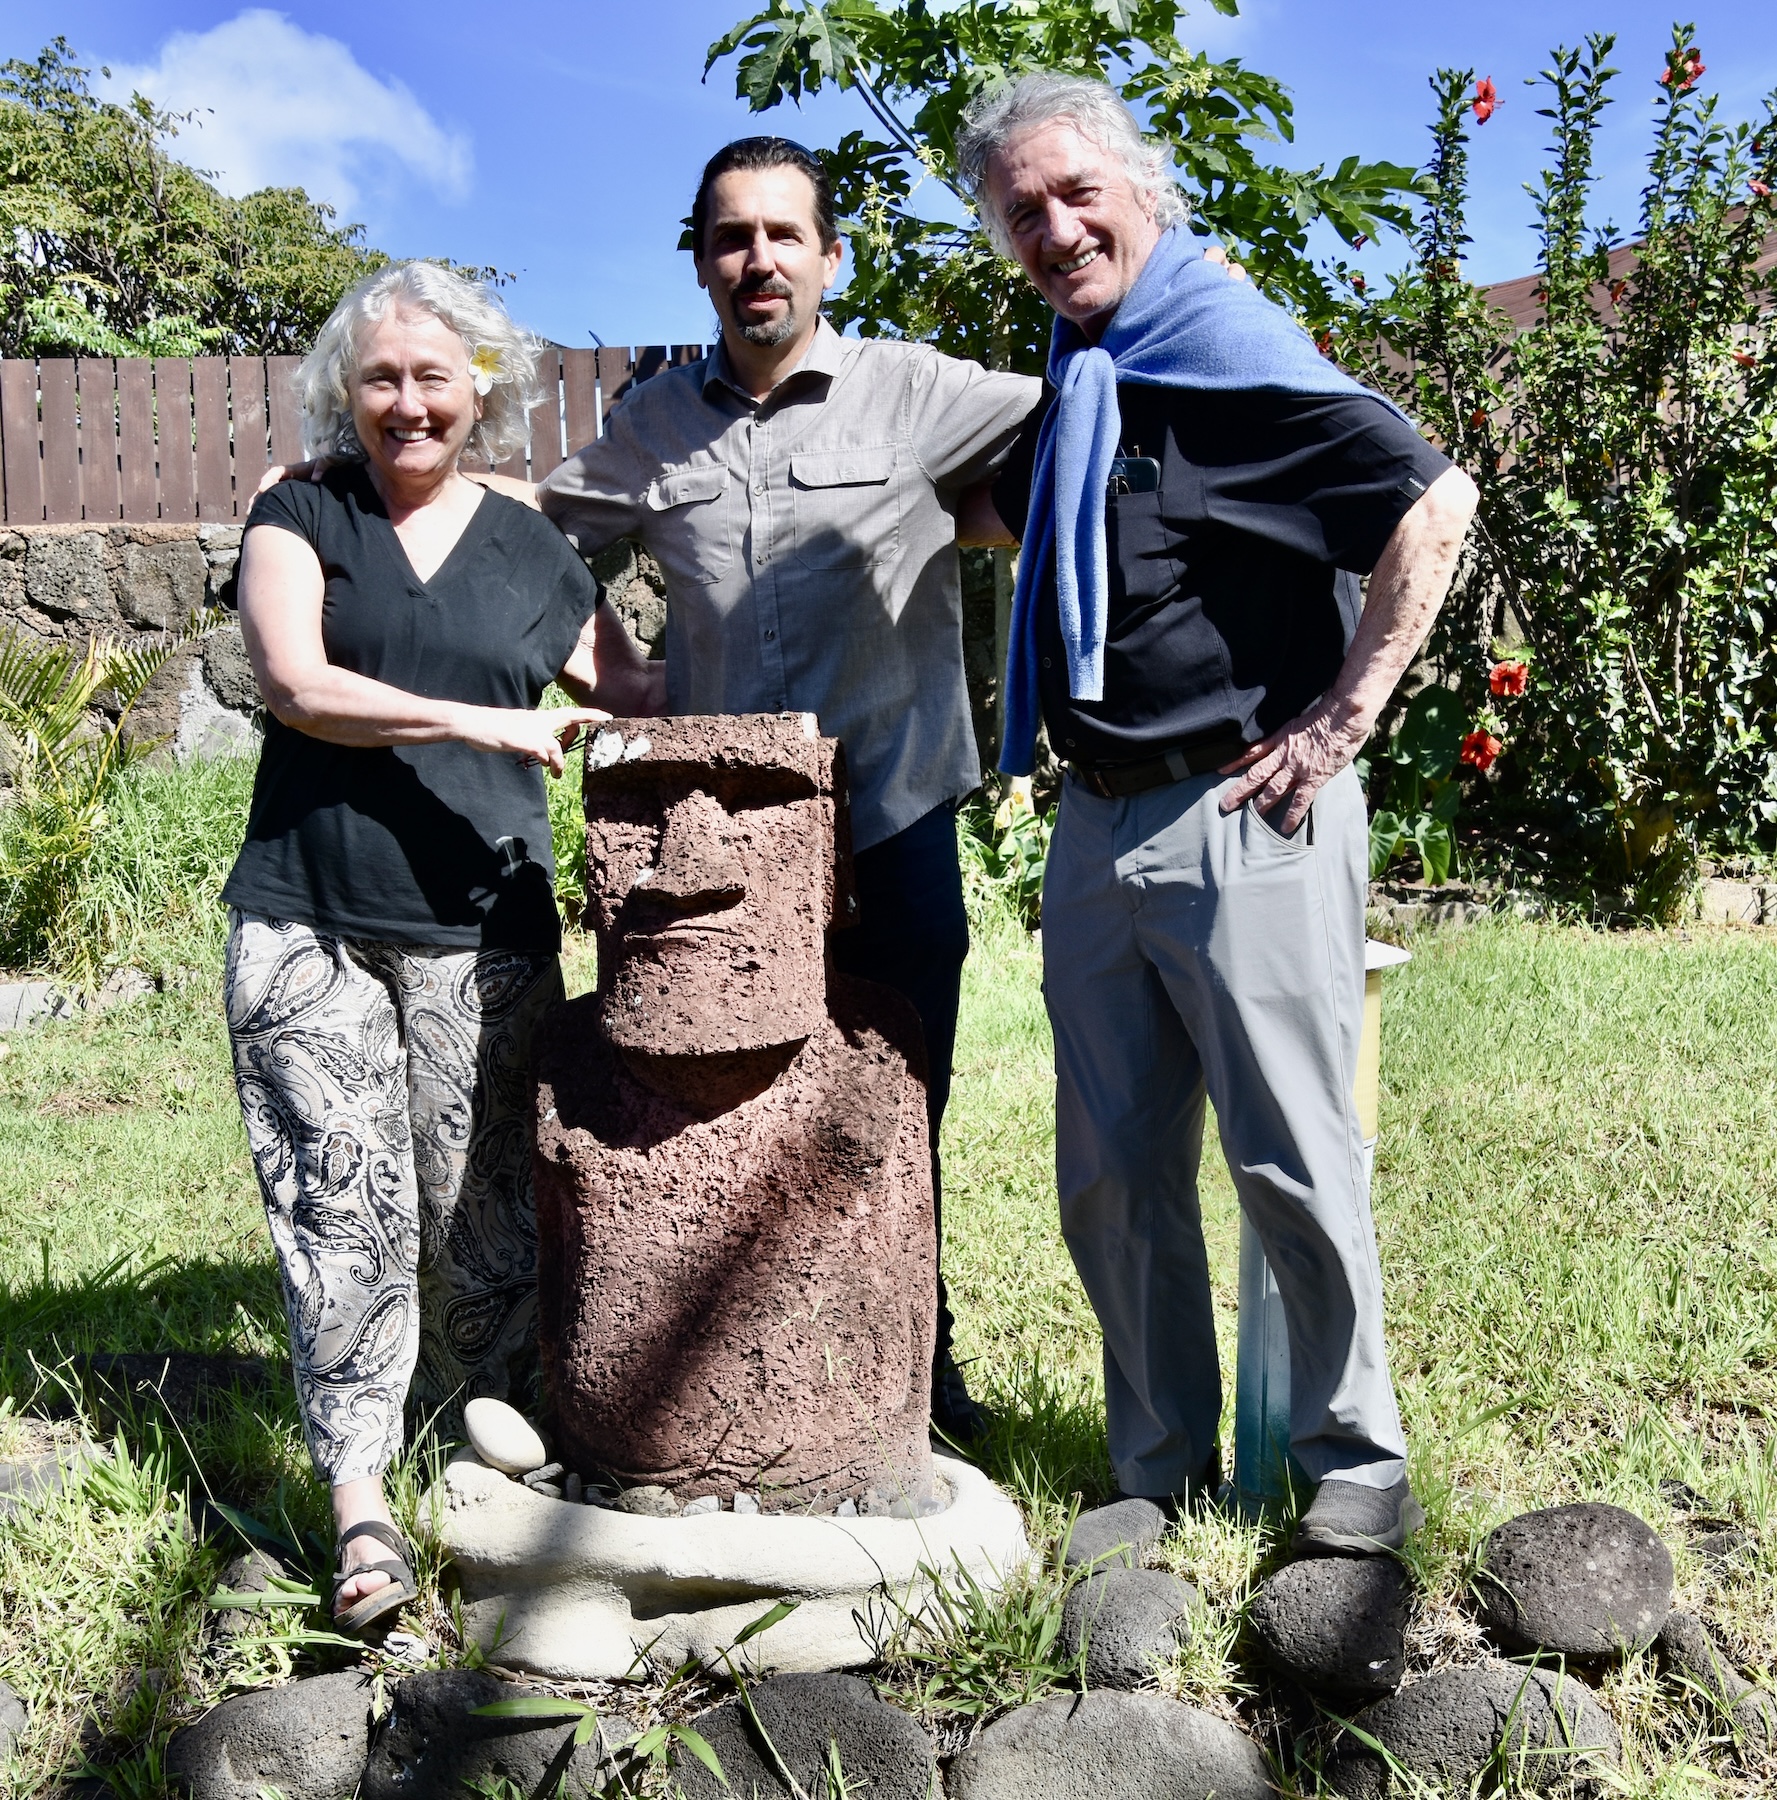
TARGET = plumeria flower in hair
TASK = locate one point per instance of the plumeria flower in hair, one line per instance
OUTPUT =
(484, 367)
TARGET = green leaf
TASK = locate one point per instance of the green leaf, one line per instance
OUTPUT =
(1431, 733)
(1386, 832)
(699, 1747)
(764, 1622)
(1436, 846)
(533, 1706)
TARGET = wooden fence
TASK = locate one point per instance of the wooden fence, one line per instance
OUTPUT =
(187, 439)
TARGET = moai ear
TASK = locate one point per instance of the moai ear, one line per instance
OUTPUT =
(842, 887)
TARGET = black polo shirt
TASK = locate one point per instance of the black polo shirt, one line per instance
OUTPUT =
(1233, 589)
(417, 843)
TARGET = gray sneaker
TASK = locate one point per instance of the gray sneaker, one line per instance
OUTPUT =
(1347, 1519)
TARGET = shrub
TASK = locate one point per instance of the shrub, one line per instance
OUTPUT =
(64, 767)
(1625, 445)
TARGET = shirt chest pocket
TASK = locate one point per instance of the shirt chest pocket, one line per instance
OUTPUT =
(1145, 550)
(691, 525)
(846, 507)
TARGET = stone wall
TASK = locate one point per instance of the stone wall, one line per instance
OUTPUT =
(69, 582)
(66, 583)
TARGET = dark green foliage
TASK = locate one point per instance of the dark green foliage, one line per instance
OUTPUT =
(109, 247)
(1423, 795)
(917, 272)
(1626, 450)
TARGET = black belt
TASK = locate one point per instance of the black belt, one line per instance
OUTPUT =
(1120, 780)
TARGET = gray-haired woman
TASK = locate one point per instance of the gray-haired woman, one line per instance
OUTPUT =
(393, 934)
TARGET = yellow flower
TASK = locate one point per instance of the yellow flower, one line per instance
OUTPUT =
(484, 366)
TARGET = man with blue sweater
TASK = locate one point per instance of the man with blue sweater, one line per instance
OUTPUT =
(1197, 504)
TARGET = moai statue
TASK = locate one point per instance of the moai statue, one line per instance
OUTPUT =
(738, 1267)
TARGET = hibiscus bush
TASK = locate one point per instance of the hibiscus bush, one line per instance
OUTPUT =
(1609, 640)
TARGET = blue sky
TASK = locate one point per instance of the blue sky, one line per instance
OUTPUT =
(563, 142)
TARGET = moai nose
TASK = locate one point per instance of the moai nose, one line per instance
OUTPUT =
(697, 865)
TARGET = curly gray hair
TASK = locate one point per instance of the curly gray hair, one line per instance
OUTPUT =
(508, 353)
(1094, 109)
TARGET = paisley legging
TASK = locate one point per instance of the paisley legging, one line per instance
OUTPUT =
(385, 1089)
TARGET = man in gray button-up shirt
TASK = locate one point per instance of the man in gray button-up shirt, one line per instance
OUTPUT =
(800, 492)
(808, 540)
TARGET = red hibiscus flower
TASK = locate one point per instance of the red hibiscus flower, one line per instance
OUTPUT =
(1508, 678)
(1745, 358)
(1324, 343)
(1761, 188)
(1617, 290)
(1485, 100)
(1480, 750)
(1684, 66)
(1358, 284)
(1477, 418)
(1358, 242)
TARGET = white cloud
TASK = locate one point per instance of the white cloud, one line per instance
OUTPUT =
(277, 106)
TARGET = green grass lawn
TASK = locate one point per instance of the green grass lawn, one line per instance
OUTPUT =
(1574, 1201)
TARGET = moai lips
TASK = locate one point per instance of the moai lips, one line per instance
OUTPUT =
(738, 1283)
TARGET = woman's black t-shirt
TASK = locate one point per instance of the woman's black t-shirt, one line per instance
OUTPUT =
(427, 843)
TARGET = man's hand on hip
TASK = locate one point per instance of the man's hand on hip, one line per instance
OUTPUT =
(1407, 586)
(1295, 762)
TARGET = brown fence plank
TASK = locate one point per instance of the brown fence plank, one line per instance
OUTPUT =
(546, 419)
(684, 354)
(19, 442)
(284, 407)
(61, 441)
(580, 400)
(246, 392)
(650, 360)
(101, 497)
(172, 417)
(616, 376)
(135, 439)
(215, 474)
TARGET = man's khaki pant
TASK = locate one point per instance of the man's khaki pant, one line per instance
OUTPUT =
(1190, 953)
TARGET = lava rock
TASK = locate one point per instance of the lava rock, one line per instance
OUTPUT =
(228, 671)
(503, 1437)
(27, 1478)
(432, 1747)
(1336, 1624)
(648, 1503)
(1691, 1652)
(1127, 1620)
(308, 1739)
(1585, 1580)
(1447, 1729)
(1725, 1549)
(1116, 1533)
(251, 1572)
(882, 1751)
(1096, 1745)
(13, 1715)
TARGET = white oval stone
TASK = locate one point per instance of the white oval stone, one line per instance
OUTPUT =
(503, 1437)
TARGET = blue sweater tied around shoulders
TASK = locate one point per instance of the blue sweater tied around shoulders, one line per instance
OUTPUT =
(1185, 324)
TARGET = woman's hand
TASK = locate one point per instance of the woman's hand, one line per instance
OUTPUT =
(534, 737)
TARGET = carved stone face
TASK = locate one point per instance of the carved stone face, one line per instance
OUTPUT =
(709, 862)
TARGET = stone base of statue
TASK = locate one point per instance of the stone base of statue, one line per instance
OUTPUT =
(581, 1593)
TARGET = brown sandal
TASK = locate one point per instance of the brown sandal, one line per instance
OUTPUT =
(400, 1588)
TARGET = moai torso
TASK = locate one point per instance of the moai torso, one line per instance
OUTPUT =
(737, 1252)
